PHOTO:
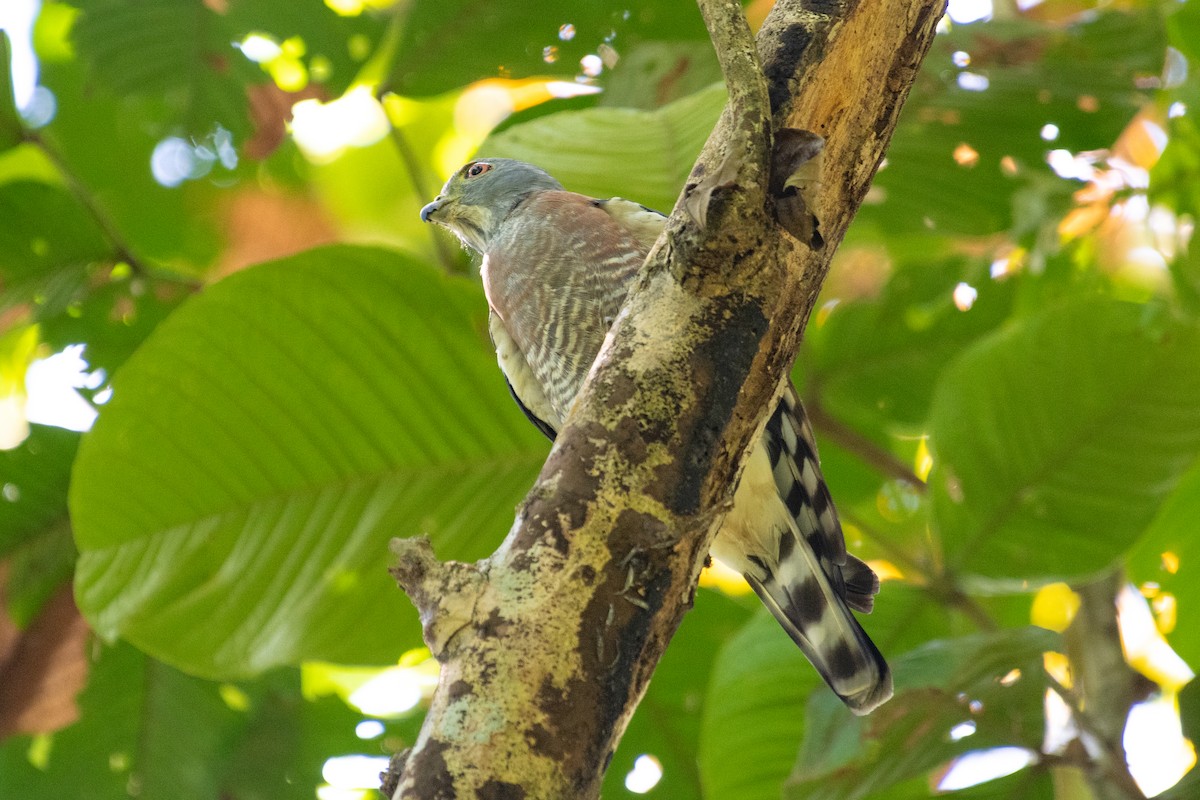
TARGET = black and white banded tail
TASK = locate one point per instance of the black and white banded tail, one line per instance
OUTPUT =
(811, 583)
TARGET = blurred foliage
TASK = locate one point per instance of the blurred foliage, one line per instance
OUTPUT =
(1013, 318)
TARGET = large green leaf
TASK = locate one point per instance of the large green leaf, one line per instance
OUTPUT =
(469, 40)
(1169, 555)
(10, 120)
(1057, 439)
(148, 730)
(233, 504)
(667, 723)
(938, 686)
(754, 713)
(33, 477)
(992, 88)
(642, 155)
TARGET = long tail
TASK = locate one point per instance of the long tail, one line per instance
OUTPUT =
(812, 582)
(819, 620)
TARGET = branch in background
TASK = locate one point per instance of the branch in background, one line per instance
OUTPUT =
(415, 177)
(940, 586)
(1104, 689)
(876, 457)
(81, 193)
(892, 550)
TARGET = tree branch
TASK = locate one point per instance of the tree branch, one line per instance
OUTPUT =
(1104, 690)
(876, 457)
(571, 614)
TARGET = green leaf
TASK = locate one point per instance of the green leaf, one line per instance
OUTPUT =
(754, 712)
(866, 377)
(233, 504)
(172, 226)
(652, 74)
(1081, 77)
(176, 50)
(473, 39)
(148, 730)
(45, 230)
(1184, 27)
(641, 155)
(11, 130)
(295, 735)
(335, 47)
(938, 686)
(34, 478)
(141, 724)
(1169, 556)
(1172, 182)
(1057, 439)
(667, 723)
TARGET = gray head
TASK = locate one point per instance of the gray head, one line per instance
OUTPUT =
(479, 196)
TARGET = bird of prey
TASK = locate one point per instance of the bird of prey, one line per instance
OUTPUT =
(556, 268)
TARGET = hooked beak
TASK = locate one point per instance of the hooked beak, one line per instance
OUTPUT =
(430, 209)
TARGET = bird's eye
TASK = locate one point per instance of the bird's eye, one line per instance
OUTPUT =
(477, 169)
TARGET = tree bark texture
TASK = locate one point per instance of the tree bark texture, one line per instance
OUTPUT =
(547, 646)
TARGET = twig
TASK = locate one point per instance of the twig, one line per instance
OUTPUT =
(953, 596)
(849, 439)
(121, 248)
(894, 551)
(942, 586)
(413, 167)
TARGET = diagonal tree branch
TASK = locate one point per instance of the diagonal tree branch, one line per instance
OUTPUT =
(547, 646)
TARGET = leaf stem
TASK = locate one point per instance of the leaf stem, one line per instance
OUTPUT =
(108, 228)
(416, 178)
(868, 451)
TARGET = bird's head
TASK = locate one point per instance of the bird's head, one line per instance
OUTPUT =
(481, 194)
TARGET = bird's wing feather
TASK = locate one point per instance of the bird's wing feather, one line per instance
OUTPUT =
(522, 382)
(643, 223)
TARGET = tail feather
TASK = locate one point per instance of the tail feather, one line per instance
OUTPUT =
(862, 584)
(814, 582)
(783, 534)
(821, 624)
